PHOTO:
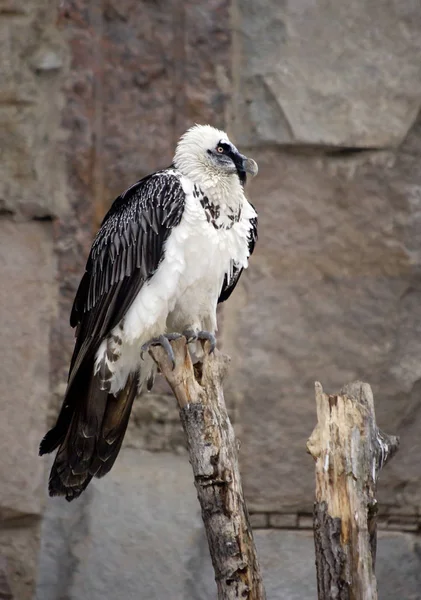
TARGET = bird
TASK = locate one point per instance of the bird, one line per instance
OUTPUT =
(171, 247)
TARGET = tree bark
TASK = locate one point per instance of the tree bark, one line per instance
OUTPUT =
(213, 455)
(349, 451)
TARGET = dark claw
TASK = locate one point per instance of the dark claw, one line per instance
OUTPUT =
(190, 335)
(209, 337)
(173, 336)
(164, 341)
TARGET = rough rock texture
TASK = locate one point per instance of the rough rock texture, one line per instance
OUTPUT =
(19, 544)
(27, 299)
(327, 73)
(130, 536)
(137, 535)
(398, 566)
(31, 173)
(333, 292)
(287, 560)
(334, 286)
(155, 423)
(164, 65)
(26, 303)
(32, 186)
(5, 591)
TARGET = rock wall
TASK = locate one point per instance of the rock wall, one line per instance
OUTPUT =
(326, 97)
(329, 104)
(32, 193)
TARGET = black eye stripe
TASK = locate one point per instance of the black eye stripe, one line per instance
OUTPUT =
(228, 151)
(226, 148)
(235, 157)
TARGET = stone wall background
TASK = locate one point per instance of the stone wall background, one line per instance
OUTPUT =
(326, 96)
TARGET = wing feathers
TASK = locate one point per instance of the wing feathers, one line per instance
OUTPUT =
(130, 242)
(136, 225)
(125, 253)
(231, 281)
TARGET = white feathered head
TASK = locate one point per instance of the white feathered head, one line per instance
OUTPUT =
(206, 151)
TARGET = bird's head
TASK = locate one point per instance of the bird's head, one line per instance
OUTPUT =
(205, 152)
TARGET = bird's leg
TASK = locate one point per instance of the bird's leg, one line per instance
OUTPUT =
(202, 335)
(164, 341)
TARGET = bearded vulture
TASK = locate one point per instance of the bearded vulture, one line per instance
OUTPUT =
(170, 248)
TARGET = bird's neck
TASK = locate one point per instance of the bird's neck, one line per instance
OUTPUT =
(222, 202)
(224, 190)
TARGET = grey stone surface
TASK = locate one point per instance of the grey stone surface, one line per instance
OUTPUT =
(19, 543)
(27, 301)
(138, 535)
(398, 568)
(289, 573)
(33, 63)
(32, 185)
(132, 535)
(287, 562)
(332, 294)
(286, 559)
(5, 591)
(155, 422)
(327, 73)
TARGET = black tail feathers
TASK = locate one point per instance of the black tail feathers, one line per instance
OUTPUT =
(89, 433)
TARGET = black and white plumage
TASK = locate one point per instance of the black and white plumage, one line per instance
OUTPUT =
(170, 248)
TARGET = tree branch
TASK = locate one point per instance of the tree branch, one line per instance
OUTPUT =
(213, 455)
(349, 451)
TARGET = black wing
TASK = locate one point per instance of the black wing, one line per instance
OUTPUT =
(229, 284)
(126, 252)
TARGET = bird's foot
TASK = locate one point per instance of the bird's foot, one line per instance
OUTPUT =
(204, 336)
(164, 341)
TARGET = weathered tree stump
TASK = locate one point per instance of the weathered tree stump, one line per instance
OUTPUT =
(349, 451)
(213, 455)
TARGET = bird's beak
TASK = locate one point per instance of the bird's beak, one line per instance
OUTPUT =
(250, 166)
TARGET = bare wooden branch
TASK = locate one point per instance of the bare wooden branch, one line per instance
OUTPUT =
(349, 451)
(213, 455)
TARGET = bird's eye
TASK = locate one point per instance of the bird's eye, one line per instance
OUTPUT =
(220, 149)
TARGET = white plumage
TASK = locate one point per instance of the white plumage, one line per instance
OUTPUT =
(183, 293)
(171, 247)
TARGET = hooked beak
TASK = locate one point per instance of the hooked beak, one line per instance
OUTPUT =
(250, 166)
(244, 165)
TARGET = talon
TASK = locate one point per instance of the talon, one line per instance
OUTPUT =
(164, 341)
(190, 335)
(173, 336)
(207, 336)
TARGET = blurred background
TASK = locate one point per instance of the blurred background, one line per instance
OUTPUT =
(325, 95)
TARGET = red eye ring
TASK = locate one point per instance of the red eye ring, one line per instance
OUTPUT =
(219, 149)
